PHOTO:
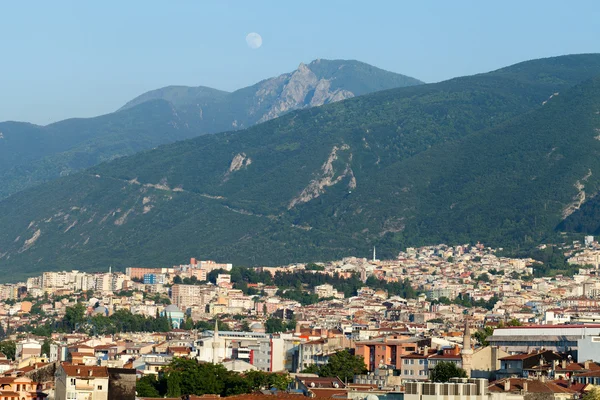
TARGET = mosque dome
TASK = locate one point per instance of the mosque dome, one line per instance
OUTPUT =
(171, 308)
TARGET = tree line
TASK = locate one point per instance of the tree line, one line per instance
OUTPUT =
(189, 377)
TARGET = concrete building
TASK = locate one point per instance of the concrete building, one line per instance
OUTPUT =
(525, 365)
(28, 348)
(416, 366)
(457, 389)
(557, 338)
(388, 350)
(78, 382)
(265, 352)
(317, 352)
(326, 291)
(486, 361)
(175, 315)
(19, 388)
(184, 296)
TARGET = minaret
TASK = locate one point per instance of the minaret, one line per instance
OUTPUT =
(374, 254)
(466, 354)
(216, 343)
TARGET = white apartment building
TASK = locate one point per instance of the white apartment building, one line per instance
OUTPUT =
(327, 290)
(81, 382)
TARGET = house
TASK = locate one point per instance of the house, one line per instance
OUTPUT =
(565, 370)
(81, 382)
(28, 348)
(538, 389)
(527, 365)
(486, 361)
(318, 387)
(448, 354)
(388, 350)
(17, 388)
(415, 366)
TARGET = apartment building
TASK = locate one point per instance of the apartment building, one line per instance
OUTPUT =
(184, 296)
(77, 382)
(457, 389)
(388, 350)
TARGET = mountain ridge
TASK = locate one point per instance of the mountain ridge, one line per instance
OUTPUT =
(32, 154)
(325, 182)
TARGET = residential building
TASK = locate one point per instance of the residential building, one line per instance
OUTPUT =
(80, 382)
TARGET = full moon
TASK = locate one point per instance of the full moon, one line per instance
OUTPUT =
(254, 40)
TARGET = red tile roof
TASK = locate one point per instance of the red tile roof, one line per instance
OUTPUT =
(84, 371)
(533, 386)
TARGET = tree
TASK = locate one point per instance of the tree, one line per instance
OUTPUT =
(482, 335)
(188, 324)
(593, 394)
(274, 325)
(9, 348)
(46, 346)
(443, 371)
(343, 365)
(73, 317)
(514, 322)
(146, 386)
(245, 327)
(312, 369)
(436, 321)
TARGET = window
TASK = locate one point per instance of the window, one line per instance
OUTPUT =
(421, 362)
(405, 362)
(99, 387)
(73, 380)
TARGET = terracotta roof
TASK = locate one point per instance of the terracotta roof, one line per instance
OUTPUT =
(519, 356)
(327, 393)
(552, 326)
(533, 386)
(591, 374)
(322, 383)
(84, 371)
(446, 357)
(579, 367)
(578, 387)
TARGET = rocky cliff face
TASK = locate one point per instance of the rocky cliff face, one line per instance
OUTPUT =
(299, 89)
(207, 110)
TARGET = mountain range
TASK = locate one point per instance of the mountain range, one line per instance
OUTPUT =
(504, 157)
(31, 154)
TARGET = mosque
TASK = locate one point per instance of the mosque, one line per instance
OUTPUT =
(175, 315)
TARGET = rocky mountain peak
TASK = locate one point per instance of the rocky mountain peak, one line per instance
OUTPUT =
(303, 68)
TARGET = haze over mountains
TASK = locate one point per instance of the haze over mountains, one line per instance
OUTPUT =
(31, 154)
(502, 157)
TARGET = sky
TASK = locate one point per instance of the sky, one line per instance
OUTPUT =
(62, 59)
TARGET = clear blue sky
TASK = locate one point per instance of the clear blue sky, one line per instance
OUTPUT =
(61, 59)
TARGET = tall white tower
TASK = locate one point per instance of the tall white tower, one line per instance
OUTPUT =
(216, 343)
(466, 354)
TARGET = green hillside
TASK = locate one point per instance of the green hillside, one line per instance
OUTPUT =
(31, 154)
(492, 157)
